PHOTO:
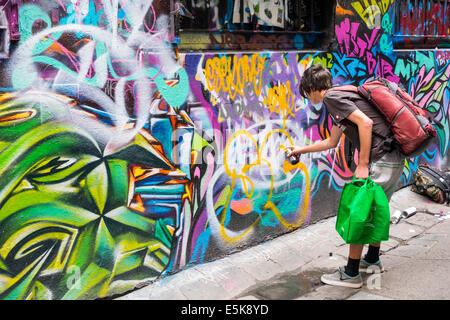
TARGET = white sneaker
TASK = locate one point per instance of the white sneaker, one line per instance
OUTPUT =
(367, 267)
(340, 278)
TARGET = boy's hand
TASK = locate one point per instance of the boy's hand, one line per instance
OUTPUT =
(362, 172)
(294, 151)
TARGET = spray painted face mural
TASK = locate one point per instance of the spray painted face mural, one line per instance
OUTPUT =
(68, 227)
(82, 177)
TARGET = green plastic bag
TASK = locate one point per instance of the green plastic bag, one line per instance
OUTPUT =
(377, 225)
(363, 214)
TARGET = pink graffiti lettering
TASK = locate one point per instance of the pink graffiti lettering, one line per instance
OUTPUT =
(442, 57)
(351, 43)
(386, 70)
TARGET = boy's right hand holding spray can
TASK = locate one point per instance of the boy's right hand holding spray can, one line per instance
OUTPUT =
(292, 157)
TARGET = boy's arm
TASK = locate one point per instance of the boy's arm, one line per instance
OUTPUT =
(365, 125)
(329, 143)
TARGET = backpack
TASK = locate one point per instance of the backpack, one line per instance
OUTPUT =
(411, 126)
(433, 183)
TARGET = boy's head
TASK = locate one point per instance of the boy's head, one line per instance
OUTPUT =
(315, 78)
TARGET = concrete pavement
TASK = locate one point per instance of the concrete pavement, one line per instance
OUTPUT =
(416, 260)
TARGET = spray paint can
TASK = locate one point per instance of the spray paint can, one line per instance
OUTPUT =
(396, 216)
(292, 159)
(409, 212)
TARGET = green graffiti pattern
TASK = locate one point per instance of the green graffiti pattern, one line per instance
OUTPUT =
(66, 229)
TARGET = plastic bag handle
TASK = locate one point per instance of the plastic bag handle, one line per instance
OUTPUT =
(361, 182)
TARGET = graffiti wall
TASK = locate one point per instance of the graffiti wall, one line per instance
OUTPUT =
(123, 160)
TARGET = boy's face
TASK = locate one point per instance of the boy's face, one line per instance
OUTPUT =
(315, 97)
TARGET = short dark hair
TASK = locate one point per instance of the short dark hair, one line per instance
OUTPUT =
(315, 78)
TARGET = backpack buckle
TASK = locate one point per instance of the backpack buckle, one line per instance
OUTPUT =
(388, 145)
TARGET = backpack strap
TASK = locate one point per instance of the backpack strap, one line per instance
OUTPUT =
(389, 143)
(347, 87)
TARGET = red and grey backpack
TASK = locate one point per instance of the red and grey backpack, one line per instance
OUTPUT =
(411, 126)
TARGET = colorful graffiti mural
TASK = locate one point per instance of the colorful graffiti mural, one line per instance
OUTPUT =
(76, 152)
(123, 160)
